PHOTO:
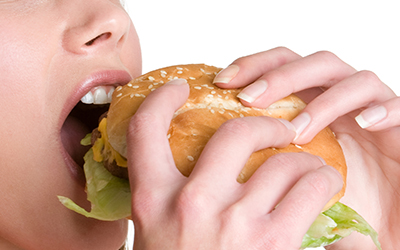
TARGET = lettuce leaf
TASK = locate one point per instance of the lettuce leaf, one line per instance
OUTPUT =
(110, 196)
(336, 223)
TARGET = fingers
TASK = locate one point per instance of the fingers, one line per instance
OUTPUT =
(273, 180)
(319, 69)
(307, 198)
(248, 69)
(230, 147)
(149, 155)
(382, 116)
(357, 91)
(331, 87)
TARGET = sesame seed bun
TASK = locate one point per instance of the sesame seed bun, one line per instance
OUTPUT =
(208, 107)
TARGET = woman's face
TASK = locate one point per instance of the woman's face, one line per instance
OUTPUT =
(52, 53)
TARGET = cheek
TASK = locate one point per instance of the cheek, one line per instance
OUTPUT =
(21, 76)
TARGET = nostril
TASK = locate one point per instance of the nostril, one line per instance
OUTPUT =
(98, 38)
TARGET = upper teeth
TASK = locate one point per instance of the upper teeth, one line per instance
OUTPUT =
(99, 95)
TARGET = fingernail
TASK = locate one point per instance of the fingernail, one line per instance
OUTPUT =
(287, 124)
(253, 91)
(177, 81)
(227, 74)
(300, 123)
(322, 160)
(371, 116)
(335, 171)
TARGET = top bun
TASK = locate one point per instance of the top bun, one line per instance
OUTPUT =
(205, 110)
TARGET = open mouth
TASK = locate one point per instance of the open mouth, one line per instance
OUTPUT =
(95, 94)
(83, 118)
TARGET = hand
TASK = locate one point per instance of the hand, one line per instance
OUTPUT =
(210, 209)
(338, 96)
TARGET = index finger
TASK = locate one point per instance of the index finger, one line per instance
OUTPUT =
(247, 69)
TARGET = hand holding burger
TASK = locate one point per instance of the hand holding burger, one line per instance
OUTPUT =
(214, 171)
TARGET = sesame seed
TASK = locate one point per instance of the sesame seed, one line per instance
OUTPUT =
(129, 84)
(151, 78)
(190, 158)
(150, 86)
(120, 94)
(179, 68)
(192, 78)
(213, 92)
(135, 86)
(179, 72)
(118, 88)
(197, 87)
(163, 75)
(163, 72)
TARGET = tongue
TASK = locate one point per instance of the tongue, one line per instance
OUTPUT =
(72, 133)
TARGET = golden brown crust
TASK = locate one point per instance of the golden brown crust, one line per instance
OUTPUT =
(206, 109)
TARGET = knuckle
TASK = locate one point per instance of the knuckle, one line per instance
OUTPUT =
(238, 126)
(286, 54)
(283, 159)
(232, 213)
(327, 55)
(319, 183)
(191, 201)
(288, 163)
(369, 78)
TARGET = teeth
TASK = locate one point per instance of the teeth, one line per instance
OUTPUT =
(98, 95)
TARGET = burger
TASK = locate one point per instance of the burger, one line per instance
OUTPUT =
(206, 109)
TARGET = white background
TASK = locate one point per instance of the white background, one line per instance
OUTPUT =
(364, 34)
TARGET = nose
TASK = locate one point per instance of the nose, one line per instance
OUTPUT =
(95, 25)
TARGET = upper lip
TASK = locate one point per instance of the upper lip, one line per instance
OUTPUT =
(100, 78)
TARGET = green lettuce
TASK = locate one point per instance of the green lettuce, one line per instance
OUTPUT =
(336, 223)
(110, 196)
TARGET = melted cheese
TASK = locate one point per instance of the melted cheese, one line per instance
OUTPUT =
(102, 149)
